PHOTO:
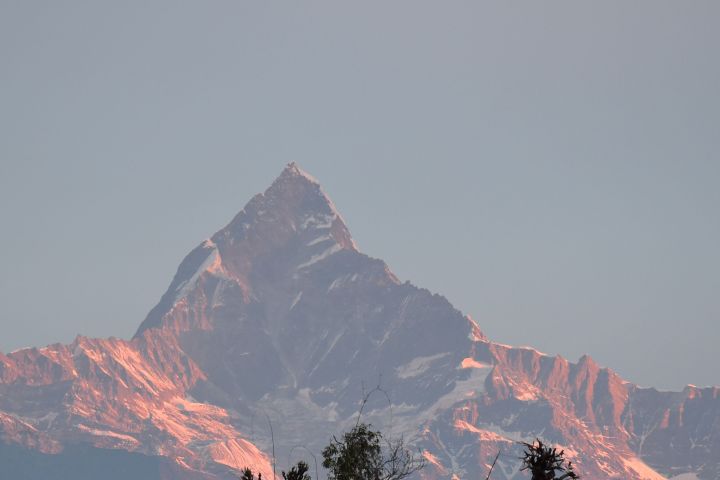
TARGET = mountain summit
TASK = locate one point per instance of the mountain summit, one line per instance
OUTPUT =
(279, 317)
(284, 285)
(293, 221)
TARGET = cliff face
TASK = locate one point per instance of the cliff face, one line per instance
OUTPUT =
(609, 427)
(278, 316)
(114, 394)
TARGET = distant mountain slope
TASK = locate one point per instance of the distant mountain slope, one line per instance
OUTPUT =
(113, 394)
(279, 317)
(86, 463)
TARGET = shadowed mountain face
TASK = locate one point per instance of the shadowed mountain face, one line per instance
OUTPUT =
(281, 300)
(87, 463)
(278, 316)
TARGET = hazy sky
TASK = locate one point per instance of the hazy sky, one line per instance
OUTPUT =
(551, 167)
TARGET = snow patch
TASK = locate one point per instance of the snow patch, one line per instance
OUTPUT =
(108, 433)
(463, 390)
(321, 238)
(20, 349)
(211, 263)
(296, 300)
(342, 280)
(418, 366)
(329, 411)
(527, 347)
(321, 256)
(319, 222)
(482, 434)
(470, 362)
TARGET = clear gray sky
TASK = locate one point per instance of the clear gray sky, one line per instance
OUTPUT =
(551, 167)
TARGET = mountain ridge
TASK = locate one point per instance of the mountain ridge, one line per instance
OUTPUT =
(279, 315)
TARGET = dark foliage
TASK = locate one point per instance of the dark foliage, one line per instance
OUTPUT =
(363, 454)
(544, 462)
(248, 474)
(298, 472)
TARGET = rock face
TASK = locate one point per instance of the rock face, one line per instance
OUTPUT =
(279, 318)
(113, 394)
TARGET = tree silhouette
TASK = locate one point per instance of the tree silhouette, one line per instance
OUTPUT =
(248, 474)
(364, 454)
(298, 472)
(545, 462)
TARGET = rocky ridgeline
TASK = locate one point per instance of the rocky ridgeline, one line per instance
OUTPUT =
(279, 316)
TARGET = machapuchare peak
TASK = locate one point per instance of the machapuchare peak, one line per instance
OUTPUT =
(288, 228)
(278, 316)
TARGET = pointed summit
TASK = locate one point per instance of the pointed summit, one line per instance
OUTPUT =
(292, 169)
(281, 298)
(294, 203)
(291, 226)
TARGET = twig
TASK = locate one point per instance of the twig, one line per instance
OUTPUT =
(492, 466)
(366, 398)
(272, 438)
(317, 477)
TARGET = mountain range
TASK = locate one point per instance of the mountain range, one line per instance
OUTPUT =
(272, 332)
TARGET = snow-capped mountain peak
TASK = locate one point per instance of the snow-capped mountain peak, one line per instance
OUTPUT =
(278, 315)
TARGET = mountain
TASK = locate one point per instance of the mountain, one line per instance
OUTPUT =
(275, 328)
(112, 394)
